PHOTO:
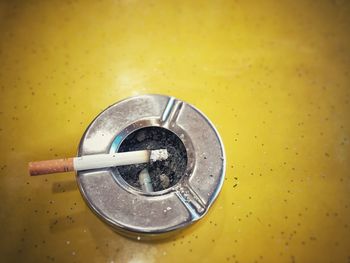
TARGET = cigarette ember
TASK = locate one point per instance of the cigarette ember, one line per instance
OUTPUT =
(159, 155)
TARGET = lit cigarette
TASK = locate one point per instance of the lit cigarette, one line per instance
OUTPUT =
(96, 161)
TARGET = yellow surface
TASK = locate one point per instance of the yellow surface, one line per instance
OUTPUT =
(272, 76)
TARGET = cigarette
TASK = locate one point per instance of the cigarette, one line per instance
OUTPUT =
(145, 181)
(96, 161)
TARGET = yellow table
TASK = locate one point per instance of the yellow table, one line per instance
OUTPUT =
(272, 76)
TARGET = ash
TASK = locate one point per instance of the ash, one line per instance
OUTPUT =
(165, 173)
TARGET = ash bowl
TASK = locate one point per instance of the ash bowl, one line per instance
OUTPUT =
(184, 186)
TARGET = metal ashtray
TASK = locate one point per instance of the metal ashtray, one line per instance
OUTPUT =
(184, 187)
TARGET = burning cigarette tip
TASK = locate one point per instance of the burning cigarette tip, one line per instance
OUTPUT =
(159, 155)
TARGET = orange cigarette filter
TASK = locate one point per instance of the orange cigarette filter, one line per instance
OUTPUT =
(51, 166)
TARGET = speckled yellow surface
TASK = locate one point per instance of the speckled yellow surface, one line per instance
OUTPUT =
(272, 76)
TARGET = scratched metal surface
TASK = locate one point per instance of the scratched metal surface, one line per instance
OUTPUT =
(272, 76)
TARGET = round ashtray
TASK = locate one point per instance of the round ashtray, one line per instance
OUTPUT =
(183, 187)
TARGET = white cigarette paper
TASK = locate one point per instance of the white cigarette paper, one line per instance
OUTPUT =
(96, 161)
